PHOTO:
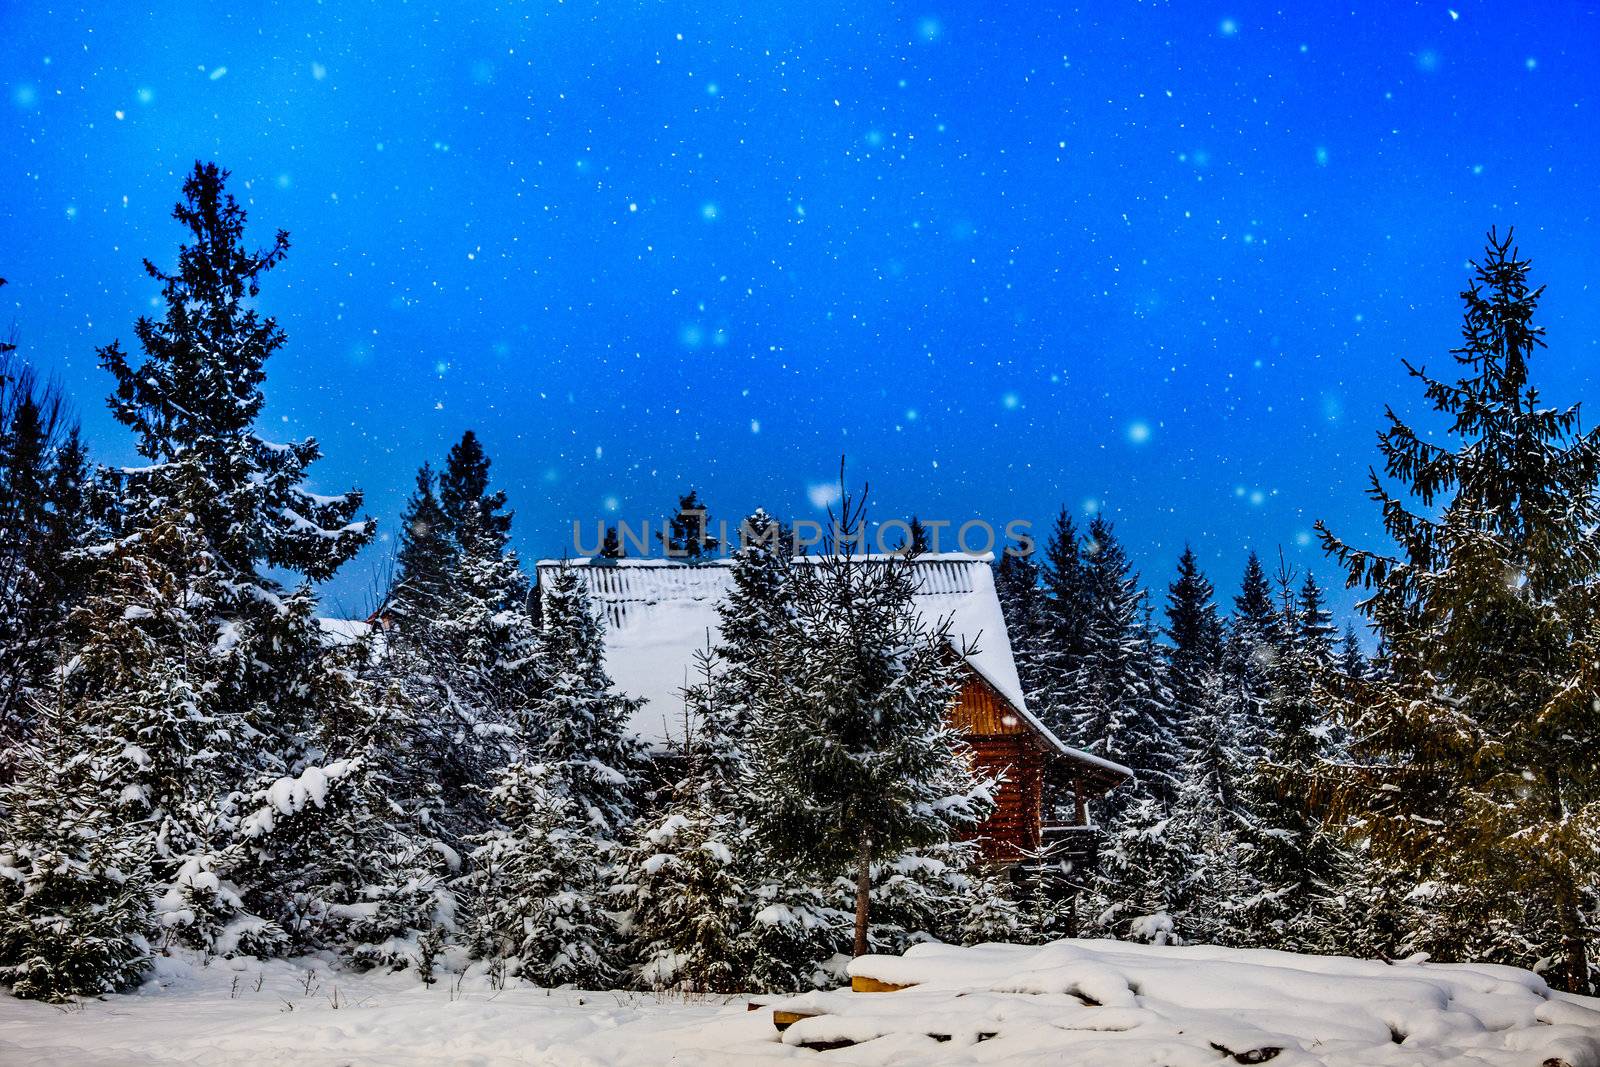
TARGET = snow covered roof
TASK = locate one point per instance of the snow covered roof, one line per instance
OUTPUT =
(658, 613)
(343, 631)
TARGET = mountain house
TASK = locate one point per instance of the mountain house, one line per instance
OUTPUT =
(659, 613)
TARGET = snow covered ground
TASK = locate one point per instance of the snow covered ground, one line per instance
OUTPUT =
(1087, 1003)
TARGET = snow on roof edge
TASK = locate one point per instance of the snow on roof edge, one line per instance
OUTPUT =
(1060, 745)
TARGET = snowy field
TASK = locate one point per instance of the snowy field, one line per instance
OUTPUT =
(1085, 1003)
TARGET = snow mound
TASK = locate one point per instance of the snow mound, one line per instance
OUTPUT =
(1120, 1005)
(291, 794)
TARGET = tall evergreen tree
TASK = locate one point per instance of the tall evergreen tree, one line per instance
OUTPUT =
(1193, 625)
(1066, 609)
(1204, 835)
(758, 607)
(684, 879)
(193, 400)
(576, 725)
(1065, 581)
(427, 557)
(1474, 777)
(561, 810)
(144, 706)
(257, 651)
(1253, 641)
(464, 654)
(74, 886)
(1126, 703)
(788, 931)
(44, 525)
(483, 619)
(856, 762)
(1256, 619)
(1023, 605)
(1121, 708)
(688, 535)
(465, 497)
(1194, 655)
(1300, 864)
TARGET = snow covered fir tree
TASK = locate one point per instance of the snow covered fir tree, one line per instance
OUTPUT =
(1474, 781)
(727, 764)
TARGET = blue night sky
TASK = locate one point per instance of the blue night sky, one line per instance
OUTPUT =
(1160, 259)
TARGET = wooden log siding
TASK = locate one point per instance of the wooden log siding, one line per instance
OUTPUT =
(1002, 742)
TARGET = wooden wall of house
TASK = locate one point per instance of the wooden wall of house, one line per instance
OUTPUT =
(981, 712)
(1002, 742)
(1013, 829)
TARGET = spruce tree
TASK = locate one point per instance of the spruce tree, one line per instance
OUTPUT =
(856, 762)
(917, 539)
(464, 652)
(790, 926)
(1066, 611)
(688, 535)
(74, 884)
(464, 494)
(684, 876)
(757, 609)
(44, 525)
(1121, 708)
(1193, 626)
(1124, 711)
(1143, 875)
(1253, 641)
(560, 811)
(193, 400)
(255, 647)
(1473, 779)
(576, 724)
(148, 712)
(1194, 652)
(1255, 629)
(1353, 662)
(536, 889)
(1299, 863)
(1203, 834)
(396, 832)
(427, 556)
(1023, 606)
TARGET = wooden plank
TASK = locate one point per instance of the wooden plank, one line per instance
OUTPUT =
(782, 1020)
(860, 984)
(1012, 829)
(980, 710)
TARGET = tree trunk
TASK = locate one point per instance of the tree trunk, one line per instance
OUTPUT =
(1568, 908)
(1577, 954)
(863, 894)
(1572, 933)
